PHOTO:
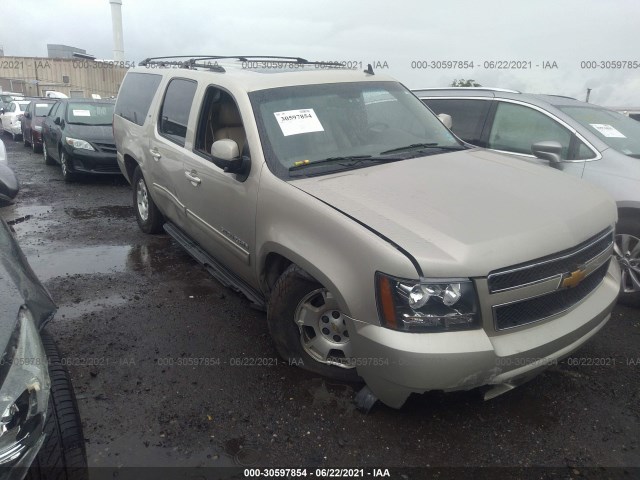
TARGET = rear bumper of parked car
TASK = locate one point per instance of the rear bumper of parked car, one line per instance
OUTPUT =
(395, 364)
(98, 163)
(15, 128)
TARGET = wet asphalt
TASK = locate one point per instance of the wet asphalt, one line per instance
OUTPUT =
(158, 351)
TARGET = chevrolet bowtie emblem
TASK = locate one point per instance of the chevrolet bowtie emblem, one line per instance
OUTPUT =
(572, 279)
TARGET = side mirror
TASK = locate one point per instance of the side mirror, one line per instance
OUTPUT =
(446, 120)
(57, 121)
(225, 154)
(27, 115)
(1, 111)
(550, 151)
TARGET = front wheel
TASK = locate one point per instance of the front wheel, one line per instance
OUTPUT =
(627, 251)
(149, 218)
(25, 142)
(47, 158)
(67, 174)
(306, 324)
(62, 455)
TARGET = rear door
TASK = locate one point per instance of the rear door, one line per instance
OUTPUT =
(163, 168)
(51, 131)
(468, 115)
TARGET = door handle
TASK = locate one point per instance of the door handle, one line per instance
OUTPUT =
(155, 154)
(193, 178)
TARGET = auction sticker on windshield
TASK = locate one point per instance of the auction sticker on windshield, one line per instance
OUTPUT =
(294, 122)
(81, 113)
(607, 130)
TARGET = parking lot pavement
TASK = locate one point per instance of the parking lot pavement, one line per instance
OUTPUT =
(171, 368)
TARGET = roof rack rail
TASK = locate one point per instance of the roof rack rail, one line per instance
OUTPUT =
(192, 61)
(490, 89)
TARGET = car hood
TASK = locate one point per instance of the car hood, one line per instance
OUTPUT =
(90, 133)
(467, 213)
(19, 286)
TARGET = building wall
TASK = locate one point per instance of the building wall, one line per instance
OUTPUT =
(74, 77)
(55, 50)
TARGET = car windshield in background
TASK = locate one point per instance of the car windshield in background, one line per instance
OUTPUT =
(22, 106)
(90, 113)
(317, 129)
(616, 130)
(42, 109)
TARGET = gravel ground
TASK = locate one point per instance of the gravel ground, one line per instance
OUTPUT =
(135, 311)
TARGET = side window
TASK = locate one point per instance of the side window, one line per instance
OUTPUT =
(468, 116)
(136, 95)
(219, 119)
(54, 110)
(516, 127)
(175, 110)
(583, 152)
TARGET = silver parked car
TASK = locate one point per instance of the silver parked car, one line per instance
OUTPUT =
(382, 247)
(600, 145)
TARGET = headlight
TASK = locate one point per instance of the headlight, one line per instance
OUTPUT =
(24, 393)
(426, 305)
(76, 143)
(38, 128)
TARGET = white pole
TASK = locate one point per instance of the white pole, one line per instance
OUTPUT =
(116, 22)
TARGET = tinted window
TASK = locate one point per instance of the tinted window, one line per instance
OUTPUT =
(54, 110)
(42, 109)
(135, 96)
(468, 116)
(174, 114)
(516, 127)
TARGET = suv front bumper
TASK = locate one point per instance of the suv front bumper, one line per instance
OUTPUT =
(395, 364)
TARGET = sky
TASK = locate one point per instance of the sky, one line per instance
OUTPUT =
(413, 41)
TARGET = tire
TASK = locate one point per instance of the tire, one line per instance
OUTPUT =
(627, 250)
(25, 142)
(68, 175)
(47, 159)
(35, 148)
(293, 290)
(63, 455)
(149, 218)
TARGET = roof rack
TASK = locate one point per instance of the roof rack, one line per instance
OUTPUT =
(193, 61)
(490, 89)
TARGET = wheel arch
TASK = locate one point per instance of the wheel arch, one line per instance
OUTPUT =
(130, 165)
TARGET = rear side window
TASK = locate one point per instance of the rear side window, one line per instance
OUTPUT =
(176, 107)
(135, 96)
(468, 116)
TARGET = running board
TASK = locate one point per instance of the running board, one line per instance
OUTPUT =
(218, 271)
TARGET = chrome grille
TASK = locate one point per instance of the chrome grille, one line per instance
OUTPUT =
(551, 266)
(538, 308)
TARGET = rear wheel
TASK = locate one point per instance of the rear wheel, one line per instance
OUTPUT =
(149, 218)
(306, 324)
(627, 251)
(62, 455)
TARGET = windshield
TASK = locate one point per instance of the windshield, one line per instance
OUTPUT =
(613, 128)
(340, 126)
(90, 113)
(42, 109)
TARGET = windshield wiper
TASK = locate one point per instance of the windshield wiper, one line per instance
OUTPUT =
(346, 161)
(414, 146)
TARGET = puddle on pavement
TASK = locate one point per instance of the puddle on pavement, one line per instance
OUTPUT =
(27, 219)
(74, 261)
(117, 211)
(157, 256)
(75, 310)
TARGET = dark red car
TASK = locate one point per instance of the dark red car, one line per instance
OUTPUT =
(32, 119)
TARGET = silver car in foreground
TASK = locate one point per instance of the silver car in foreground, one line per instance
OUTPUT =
(585, 140)
(381, 246)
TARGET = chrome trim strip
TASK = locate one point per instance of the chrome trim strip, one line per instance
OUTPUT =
(237, 249)
(554, 259)
(169, 195)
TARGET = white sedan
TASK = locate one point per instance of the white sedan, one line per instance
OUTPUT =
(11, 117)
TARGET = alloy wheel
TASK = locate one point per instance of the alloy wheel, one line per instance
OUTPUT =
(142, 199)
(627, 251)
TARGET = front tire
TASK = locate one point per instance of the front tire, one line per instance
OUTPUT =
(63, 454)
(67, 174)
(627, 251)
(306, 324)
(149, 218)
(47, 158)
(25, 142)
